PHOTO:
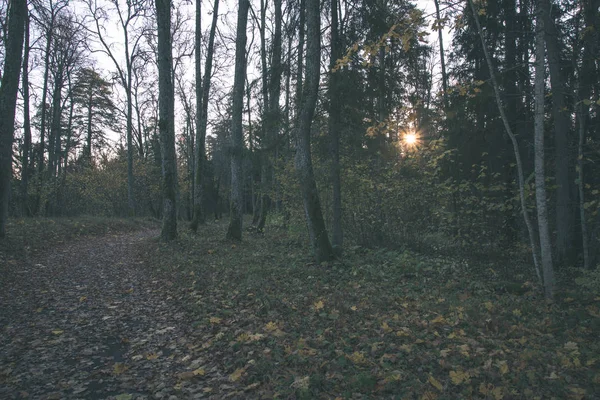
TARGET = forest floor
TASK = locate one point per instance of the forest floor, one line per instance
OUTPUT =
(119, 315)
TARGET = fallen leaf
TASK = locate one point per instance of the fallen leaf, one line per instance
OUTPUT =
(58, 332)
(459, 377)
(319, 305)
(435, 383)
(237, 374)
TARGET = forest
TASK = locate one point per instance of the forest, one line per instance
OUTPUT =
(299, 199)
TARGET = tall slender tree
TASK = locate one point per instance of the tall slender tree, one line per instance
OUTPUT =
(202, 114)
(540, 175)
(9, 86)
(166, 123)
(312, 206)
(335, 126)
(234, 230)
(26, 123)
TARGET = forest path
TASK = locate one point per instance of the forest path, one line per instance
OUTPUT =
(89, 320)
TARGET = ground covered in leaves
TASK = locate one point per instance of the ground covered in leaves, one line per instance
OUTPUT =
(123, 316)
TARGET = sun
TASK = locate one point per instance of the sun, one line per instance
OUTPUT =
(411, 139)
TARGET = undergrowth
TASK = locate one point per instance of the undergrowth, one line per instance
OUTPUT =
(377, 323)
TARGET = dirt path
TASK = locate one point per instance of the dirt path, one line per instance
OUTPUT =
(88, 320)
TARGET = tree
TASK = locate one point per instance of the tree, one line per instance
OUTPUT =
(234, 230)
(9, 86)
(335, 126)
(96, 111)
(271, 112)
(26, 122)
(517, 152)
(312, 206)
(202, 94)
(562, 127)
(127, 16)
(166, 124)
(540, 176)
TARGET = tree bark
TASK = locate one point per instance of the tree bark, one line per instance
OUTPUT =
(272, 118)
(8, 101)
(202, 123)
(335, 124)
(540, 175)
(166, 122)
(442, 55)
(234, 231)
(26, 124)
(317, 231)
(562, 126)
(587, 76)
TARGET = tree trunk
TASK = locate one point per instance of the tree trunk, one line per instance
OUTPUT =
(26, 125)
(587, 76)
(540, 175)
(312, 207)
(300, 52)
(8, 101)
(335, 124)
(562, 126)
(202, 116)
(515, 144)
(167, 120)
(271, 120)
(234, 231)
(442, 55)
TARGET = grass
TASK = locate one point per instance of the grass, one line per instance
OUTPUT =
(374, 324)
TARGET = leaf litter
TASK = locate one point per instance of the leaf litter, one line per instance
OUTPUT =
(202, 318)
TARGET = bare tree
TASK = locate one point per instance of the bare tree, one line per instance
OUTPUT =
(166, 105)
(9, 87)
(335, 126)
(234, 230)
(202, 94)
(312, 206)
(128, 17)
(540, 175)
(26, 122)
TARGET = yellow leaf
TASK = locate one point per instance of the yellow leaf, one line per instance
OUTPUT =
(353, 308)
(435, 383)
(497, 393)
(58, 332)
(503, 367)
(152, 356)
(429, 396)
(319, 305)
(444, 353)
(301, 383)
(488, 305)
(199, 372)
(516, 312)
(215, 320)
(82, 299)
(271, 326)
(571, 346)
(386, 328)
(237, 374)
(439, 320)
(459, 377)
(119, 368)
(358, 358)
